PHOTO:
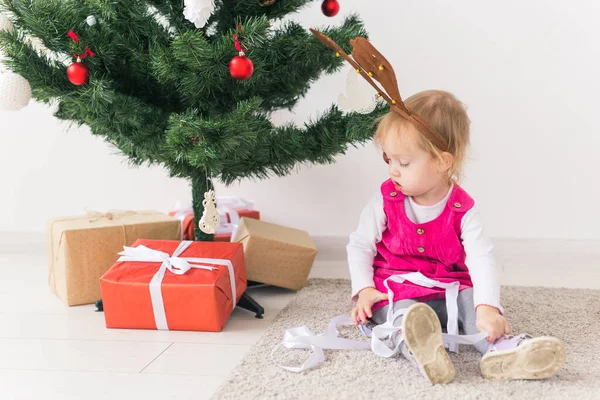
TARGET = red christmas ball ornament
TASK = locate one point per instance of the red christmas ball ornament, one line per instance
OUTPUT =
(241, 67)
(330, 7)
(78, 73)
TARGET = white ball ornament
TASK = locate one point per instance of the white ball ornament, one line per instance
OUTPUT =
(15, 91)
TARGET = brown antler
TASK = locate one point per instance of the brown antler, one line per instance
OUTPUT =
(376, 66)
(370, 63)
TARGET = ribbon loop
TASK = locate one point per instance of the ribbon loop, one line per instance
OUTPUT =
(86, 52)
(73, 36)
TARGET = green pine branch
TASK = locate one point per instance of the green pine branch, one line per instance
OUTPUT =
(293, 59)
(136, 128)
(172, 11)
(46, 76)
(228, 11)
(244, 143)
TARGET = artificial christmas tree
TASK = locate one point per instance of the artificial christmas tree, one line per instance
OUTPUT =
(161, 91)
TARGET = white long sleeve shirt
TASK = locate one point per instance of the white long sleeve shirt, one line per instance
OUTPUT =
(478, 247)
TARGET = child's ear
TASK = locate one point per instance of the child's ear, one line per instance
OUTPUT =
(445, 161)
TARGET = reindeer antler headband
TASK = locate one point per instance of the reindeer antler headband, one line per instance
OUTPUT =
(372, 65)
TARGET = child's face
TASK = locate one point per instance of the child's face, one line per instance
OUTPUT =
(413, 170)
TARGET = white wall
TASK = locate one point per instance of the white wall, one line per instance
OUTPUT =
(527, 69)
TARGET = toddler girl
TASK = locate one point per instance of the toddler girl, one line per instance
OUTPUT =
(421, 237)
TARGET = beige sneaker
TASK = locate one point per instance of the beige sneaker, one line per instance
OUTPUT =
(423, 338)
(523, 357)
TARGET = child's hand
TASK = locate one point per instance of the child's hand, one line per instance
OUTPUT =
(366, 298)
(491, 321)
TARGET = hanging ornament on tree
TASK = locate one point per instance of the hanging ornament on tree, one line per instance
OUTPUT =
(15, 91)
(330, 7)
(359, 95)
(240, 66)
(79, 73)
(91, 20)
(6, 24)
(198, 11)
(211, 219)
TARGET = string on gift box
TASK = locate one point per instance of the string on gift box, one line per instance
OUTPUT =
(92, 216)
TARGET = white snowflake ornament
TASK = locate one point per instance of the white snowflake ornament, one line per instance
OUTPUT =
(198, 11)
(211, 219)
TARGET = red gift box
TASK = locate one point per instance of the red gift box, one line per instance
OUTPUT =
(199, 298)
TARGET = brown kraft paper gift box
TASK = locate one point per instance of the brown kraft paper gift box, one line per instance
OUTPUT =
(82, 248)
(275, 254)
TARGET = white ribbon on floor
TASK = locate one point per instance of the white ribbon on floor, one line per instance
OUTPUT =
(382, 336)
(303, 338)
(178, 266)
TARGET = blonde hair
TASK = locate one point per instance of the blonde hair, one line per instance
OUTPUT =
(445, 113)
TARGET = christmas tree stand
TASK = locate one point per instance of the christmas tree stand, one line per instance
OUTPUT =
(248, 303)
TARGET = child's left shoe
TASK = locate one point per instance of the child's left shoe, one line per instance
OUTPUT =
(523, 357)
(423, 338)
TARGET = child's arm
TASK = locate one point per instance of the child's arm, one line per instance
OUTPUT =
(480, 261)
(362, 245)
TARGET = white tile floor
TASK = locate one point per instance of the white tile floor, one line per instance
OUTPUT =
(50, 351)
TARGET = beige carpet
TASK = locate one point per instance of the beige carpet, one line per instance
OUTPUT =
(572, 315)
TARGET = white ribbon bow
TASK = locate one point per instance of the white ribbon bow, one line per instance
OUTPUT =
(302, 337)
(178, 266)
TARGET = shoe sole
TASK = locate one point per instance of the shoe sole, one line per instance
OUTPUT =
(538, 358)
(423, 337)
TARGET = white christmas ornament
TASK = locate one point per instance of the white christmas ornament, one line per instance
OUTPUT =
(15, 91)
(6, 24)
(91, 20)
(359, 95)
(198, 11)
(211, 219)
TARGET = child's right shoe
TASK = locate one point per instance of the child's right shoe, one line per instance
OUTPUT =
(423, 338)
(523, 357)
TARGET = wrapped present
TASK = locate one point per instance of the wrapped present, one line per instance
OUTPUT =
(275, 254)
(186, 220)
(174, 285)
(230, 208)
(82, 248)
